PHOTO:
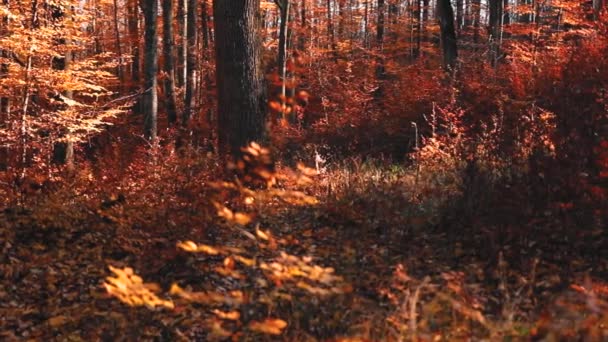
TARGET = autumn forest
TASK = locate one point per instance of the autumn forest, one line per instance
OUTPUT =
(304, 170)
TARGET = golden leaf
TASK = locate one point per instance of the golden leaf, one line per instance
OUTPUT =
(230, 315)
(192, 247)
(130, 289)
(271, 326)
(262, 235)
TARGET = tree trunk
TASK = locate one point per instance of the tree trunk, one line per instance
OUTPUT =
(476, 8)
(118, 47)
(169, 59)
(459, 15)
(445, 15)
(418, 28)
(5, 104)
(132, 24)
(330, 29)
(284, 7)
(240, 76)
(63, 152)
(302, 38)
(205, 25)
(597, 7)
(380, 23)
(495, 29)
(150, 97)
(182, 27)
(190, 99)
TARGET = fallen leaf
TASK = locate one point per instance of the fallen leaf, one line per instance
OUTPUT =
(271, 326)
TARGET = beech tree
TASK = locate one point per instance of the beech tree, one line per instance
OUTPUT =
(53, 83)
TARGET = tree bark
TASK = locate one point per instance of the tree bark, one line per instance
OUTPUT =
(192, 67)
(459, 14)
(150, 97)
(169, 59)
(182, 27)
(445, 15)
(205, 25)
(380, 23)
(495, 29)
(118, 47)
(476, 8)
(284, 7)
(240, 76)
(132, 24)
(597, 7)
(302, 38)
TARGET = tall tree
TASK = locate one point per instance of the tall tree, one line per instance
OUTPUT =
(182, 28)
(240, 77)
(284, 7)
(132, 24)
(150, 97)
(459, 14)
(169, 61)
(191, 34)
(380, 24)
(445, 15)
(495, 28)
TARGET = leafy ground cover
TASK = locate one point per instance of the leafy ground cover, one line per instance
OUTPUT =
(362, 251)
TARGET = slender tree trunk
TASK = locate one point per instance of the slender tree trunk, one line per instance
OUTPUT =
(205, 25)
(380, 23)
(425, 10)
(5, 104)
(467, 13)
(495, 29)
(284, 7)
(182, 27)
(150, 97)
(459, 15)
(118, 46)
(597, 7)
(240, 76)
(63, 152)
(190, 99)
(330, 29)
(476, 8)
(303, 26)
(341, 18)
(418, 28)
(366, 23)
(132, 24)
(169, 61)
(445, 15)
(380, 69)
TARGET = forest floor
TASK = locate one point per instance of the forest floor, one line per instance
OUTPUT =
(359, 254)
